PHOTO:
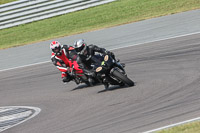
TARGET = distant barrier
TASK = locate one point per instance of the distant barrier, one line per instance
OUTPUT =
(26, 11)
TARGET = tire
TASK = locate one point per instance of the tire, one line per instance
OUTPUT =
(123, 78)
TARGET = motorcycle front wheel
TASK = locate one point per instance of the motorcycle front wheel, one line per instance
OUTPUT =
(122, 78)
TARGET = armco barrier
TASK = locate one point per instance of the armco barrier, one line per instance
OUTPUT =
(26, 11)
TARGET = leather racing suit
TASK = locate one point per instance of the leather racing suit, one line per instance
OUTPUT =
(86, 57)
(65, 61)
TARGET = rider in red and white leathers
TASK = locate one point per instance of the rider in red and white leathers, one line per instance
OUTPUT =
(63, 57)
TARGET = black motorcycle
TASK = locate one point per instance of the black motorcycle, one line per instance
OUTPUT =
(112, 72)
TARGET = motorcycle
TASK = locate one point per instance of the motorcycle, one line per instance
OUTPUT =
(80, 77)
(112, 72)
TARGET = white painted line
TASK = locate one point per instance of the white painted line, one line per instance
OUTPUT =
(6, 109)
(28, 114)
(172, 125)
(24, 66)
(110, 49)
(160, 39)
(11, 117)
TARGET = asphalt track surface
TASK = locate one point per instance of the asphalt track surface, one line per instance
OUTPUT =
(166, 73)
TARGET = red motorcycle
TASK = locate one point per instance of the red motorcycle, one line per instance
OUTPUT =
(79, 76)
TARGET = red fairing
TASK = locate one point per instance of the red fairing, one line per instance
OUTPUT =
(76, 67)
(71, 48)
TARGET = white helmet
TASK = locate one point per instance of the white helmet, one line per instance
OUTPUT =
(55, 46)
(80, 46)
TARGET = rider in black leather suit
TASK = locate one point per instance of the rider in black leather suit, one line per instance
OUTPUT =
(86, 56)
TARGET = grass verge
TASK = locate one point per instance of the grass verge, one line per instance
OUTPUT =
(6, 1)
(112, 14)
(193, 127)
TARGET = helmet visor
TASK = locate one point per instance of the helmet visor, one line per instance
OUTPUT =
(79, 49)
(56, 50)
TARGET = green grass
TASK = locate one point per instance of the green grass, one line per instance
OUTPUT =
(193, 127)
(6, 1)
(112, 14)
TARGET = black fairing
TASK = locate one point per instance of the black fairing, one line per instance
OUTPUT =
(107, 69)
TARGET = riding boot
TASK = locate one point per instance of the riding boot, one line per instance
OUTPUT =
(91, 81)
(105, 83)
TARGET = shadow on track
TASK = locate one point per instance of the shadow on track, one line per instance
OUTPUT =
(84, 86)
(114, 87)
(111, 88)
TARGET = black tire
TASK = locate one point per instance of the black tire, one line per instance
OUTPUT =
(123, 78)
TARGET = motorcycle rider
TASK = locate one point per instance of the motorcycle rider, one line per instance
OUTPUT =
(63, 57)
(86, 57)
